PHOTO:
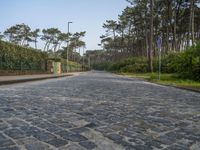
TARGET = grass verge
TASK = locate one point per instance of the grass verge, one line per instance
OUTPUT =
(167, 79)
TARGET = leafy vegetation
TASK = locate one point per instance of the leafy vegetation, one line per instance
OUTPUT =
(54, 40)
(139, 26)
(130, 44)
(185, 64)
(18, 58)
(72, 66)
(166, 79)
(15, 57)
(17, 53)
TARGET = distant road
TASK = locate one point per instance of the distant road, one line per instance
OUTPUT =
(98, 110)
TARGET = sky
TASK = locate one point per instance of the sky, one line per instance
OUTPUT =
(86, 15)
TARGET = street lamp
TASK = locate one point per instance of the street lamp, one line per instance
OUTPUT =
(68, 44)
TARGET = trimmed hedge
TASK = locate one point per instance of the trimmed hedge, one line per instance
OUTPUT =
(15, 57)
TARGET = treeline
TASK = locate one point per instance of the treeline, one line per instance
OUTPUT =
(134, 34)
(55, 42)
(130, 44)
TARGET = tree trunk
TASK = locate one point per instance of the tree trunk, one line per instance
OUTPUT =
(45, 46)
(35, 43)
(146, 36)
(192, 21)
(151, 37)
(48, 46)
(174, 35)
(167, 39)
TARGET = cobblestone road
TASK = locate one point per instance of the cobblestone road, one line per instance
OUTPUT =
(99, 111)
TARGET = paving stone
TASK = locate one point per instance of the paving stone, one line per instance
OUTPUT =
(66, 125)
(176, 147)
(2, 137)
(8, 109)
(112, 111)
(166, 140)
(6, 143)
(79, 130)
(10, 148)
(44, 136)
(3, 126)
(57, 142)
(5, 115)
(141, 147)
(15, 133)
(91, 125)
(30, 130)
(16, 122)
(50, 127)
(115, 137)
(74, 137)
(26, 141)
(88, 145)
(72, 147)
(36, 146)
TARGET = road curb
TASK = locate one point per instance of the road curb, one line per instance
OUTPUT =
(6, 82)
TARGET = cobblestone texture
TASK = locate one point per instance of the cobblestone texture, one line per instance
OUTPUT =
(99, 111)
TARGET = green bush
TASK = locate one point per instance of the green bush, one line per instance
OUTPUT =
(14, 57)
(129, 65)
(70, 66)
(186, 63)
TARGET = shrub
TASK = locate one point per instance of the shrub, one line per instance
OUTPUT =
(14, 57)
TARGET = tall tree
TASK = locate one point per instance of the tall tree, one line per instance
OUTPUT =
(35, 35)
(50, 36)
(19, 34)
(1, 36)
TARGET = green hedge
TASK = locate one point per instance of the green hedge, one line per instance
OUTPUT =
(15, 57)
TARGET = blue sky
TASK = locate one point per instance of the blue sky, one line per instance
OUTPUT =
(86, 15)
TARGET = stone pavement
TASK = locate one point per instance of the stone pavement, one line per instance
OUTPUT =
(100, 111)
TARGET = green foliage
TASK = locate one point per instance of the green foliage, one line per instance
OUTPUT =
(72, 66)
(133, 65)
(14, 57)
(186, 64)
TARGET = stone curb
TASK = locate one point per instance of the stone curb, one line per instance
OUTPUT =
(6, 82)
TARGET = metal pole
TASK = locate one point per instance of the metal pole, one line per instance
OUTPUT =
(159, 64)
(68, 45)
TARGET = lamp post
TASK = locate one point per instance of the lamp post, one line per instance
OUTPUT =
(68, 45)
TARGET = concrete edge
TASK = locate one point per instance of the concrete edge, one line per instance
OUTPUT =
(31, 79)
